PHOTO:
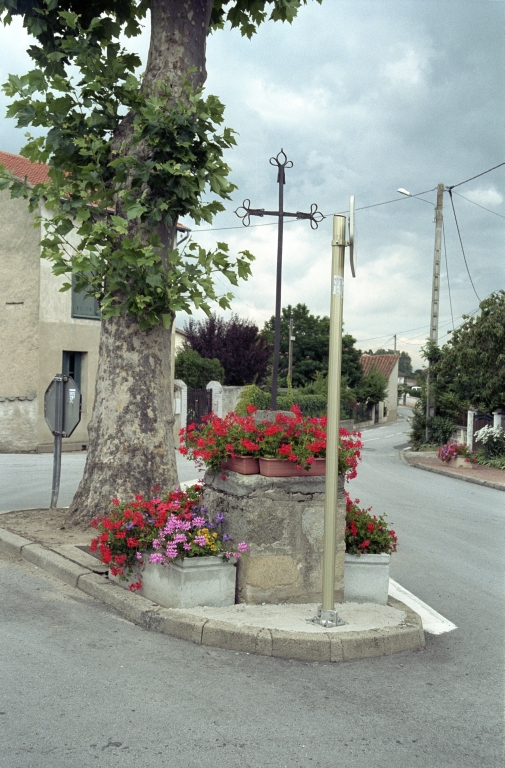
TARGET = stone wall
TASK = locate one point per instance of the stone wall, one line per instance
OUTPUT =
(282, 521)
(18, 423)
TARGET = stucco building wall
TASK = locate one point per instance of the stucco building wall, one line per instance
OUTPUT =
(36, 327)
(19, 290)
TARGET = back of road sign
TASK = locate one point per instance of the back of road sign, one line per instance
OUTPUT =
(62, 415)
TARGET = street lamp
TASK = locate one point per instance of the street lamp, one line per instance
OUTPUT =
(435, 290)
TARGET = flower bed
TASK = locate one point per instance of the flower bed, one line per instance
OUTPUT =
(366, 533)
(454, 450)
(369, 543)
(174, 525)
(291, 438)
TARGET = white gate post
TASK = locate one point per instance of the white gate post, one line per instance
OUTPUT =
(498, 418)
(217, 397)
(470, 428)
(181, 386)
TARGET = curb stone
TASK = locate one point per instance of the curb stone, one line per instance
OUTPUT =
(448, 473)
(182, 624)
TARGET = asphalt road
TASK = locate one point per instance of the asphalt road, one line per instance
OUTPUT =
(82, 687)
(26, 478)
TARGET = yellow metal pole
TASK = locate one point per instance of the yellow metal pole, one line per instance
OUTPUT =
(332, 433)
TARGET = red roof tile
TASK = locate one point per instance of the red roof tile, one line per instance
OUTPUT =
(383, 363)
(36, 173)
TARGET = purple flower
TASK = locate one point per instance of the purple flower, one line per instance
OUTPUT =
(220, 518)
(226, 537)
(129, 526)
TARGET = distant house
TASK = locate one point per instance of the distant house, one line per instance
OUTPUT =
(43, 331)
(406, 379)
(388, 365)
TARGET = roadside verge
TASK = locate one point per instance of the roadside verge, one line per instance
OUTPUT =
(477, 474)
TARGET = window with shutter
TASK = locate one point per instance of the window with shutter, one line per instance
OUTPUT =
(84, 306)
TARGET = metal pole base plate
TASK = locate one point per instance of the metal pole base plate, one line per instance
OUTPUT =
(326, 618)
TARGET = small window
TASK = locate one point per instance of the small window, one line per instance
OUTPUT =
(72, 366)
(84, 306)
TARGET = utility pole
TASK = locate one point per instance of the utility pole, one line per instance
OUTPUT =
(435, 299)
(290, 353)
(395, 342)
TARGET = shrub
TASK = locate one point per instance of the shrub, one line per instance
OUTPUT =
(196, 371)
(492, 440)
(252, 395)
(440, 429)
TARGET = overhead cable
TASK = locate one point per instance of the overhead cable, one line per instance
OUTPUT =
(461, 242)
(475, 177)
(480, 206)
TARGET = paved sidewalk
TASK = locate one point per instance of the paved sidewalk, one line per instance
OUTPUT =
(473, 473)
(281, 631)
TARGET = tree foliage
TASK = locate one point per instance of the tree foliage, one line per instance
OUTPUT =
(236, 343)
(174, 157)
(373, 388)
(311, 348)
(196, 371)
(127, 158)
(471, 366)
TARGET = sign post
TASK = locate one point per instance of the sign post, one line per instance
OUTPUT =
(327, 615)
(62, 411)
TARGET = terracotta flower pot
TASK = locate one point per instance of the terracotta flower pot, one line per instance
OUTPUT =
(285, 468)
(244, 465)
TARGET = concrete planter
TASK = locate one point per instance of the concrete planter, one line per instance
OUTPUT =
(366, 578)
(285, 468)
(186, 583)
(459, 461)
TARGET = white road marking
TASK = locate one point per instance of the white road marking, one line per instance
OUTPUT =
(433, 622)
(187, 483)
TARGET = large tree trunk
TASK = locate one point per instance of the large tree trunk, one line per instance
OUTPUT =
(131, 442)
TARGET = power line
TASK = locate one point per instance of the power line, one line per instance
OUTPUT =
(475, 177)
(480, 206)
(461, 241)
(366, 207)
(326, 215)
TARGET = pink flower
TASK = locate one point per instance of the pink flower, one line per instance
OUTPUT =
(243, 547)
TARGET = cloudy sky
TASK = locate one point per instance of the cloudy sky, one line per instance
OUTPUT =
(364, 97)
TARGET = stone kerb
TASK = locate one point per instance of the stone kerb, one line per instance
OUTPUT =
(282, 521)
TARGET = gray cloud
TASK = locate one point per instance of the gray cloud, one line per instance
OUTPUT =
(365, 97)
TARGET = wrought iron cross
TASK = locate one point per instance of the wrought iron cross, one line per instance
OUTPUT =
(315, 216)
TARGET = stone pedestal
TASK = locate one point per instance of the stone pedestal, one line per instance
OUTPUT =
(281, 518)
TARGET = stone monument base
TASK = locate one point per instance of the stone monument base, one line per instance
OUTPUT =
(281, 518)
